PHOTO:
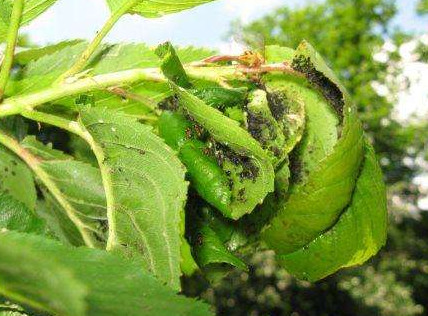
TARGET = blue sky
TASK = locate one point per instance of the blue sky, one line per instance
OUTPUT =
(202, 26)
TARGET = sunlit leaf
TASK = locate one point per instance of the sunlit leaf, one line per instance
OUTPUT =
(32, 9)
(358, 235)
(325, 166)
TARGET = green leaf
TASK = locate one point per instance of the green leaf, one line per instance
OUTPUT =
(16, 179)
(42, 72)
(156, 8)
(246, 193)
(59, 225)
(32, 9)
(41, 67)
(11, 312)
(79, 191)
(119, 57)
(264, 127)
(140, 99)
(278, 54)
(213, 238)
(326, 166)
(210, 250)
(47, 64)
(171, 65)
(15, 126)
(15, 215)
(29, 55)
(106, 283)
(190, 54)
(213, 257)
(31, 277)
(145, 189)
(359, 233)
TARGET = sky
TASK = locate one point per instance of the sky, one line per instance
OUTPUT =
(206, 25)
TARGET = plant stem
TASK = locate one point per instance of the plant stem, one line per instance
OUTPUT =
(34, 163)
(15, 105)
(53, 120)
(15, 20)
(83, 59)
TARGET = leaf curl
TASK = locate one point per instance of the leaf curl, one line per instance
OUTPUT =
(358, 235)
(315, 202)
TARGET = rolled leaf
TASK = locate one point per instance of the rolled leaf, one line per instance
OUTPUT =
(326, 164)
(358, 235)
(211, 238)
(250, 169)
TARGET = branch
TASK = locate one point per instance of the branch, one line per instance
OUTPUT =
(15, 105)
(113, 81)
(83, 59)
(18, 6)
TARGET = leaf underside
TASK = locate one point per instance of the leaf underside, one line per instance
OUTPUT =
(146, 191)
(156, 8)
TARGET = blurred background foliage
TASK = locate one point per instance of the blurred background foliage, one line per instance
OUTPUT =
(349, 34)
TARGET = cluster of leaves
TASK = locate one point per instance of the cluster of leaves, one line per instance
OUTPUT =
(395, 282)
(175, 167)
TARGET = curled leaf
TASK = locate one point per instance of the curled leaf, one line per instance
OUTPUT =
(358, 235)
(326, 163)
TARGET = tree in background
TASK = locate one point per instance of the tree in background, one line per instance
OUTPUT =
(423, 7)
(348, 33)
